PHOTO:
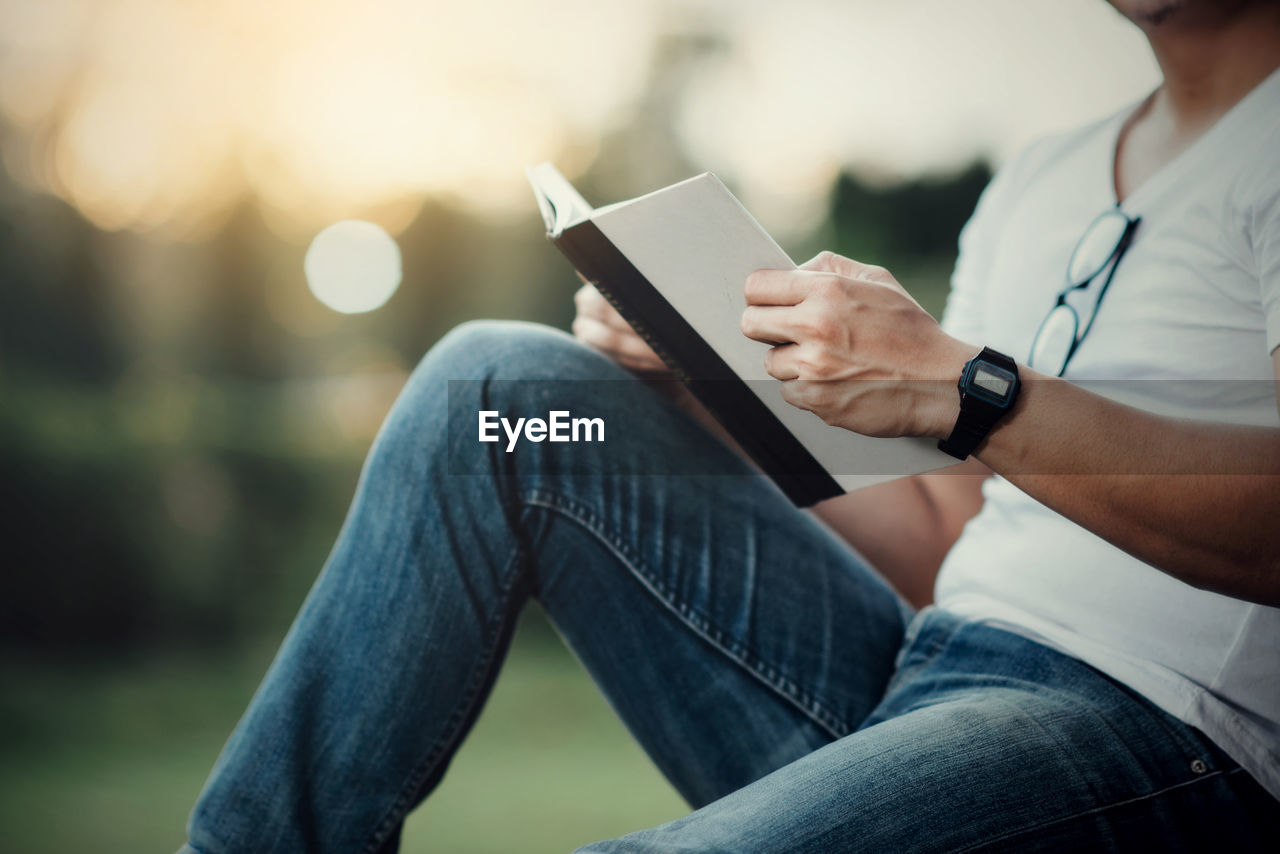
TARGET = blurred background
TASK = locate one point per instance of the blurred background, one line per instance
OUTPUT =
(197, 344)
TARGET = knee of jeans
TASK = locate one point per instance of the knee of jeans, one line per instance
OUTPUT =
(505, 349)
(456, 379)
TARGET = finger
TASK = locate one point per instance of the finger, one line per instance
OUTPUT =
(825, 261)
(611, 318)
(807, 395)
(649, 365)
(772, 324)
(587, 300)
(590, 302)
(781, 362)
(830, 262)
(794, 393)
(617, 344)
(778, 287)
(604, 337)
(643, 362)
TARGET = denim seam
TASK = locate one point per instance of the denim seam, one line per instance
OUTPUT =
(977, 846)
(904, 670)
(404, 801)
(770, 675)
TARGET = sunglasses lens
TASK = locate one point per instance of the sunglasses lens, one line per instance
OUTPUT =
(1053, 343)
(1096, 247)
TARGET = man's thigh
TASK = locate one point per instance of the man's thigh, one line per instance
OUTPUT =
(967, 760)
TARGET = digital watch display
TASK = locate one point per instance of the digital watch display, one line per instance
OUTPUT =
(991, 382)
(988, 387)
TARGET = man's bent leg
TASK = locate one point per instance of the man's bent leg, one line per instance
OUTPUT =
(730, 631)
(989, 741)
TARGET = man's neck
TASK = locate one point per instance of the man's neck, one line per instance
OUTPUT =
(1209, 65)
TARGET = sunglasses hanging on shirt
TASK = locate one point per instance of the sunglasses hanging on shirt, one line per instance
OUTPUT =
(1100, 249)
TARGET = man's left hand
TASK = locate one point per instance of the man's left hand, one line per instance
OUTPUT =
(851, 346)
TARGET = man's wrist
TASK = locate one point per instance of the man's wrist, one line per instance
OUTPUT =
(943, 407)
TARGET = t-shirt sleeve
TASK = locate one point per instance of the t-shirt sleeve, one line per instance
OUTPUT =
(962, 317)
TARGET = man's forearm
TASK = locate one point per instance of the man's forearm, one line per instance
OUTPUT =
(1198, 500)
(904, 528)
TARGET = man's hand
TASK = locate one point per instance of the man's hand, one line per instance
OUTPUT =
(599, 325)
(851, 346)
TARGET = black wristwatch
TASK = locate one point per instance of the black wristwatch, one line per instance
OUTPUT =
(989, 387)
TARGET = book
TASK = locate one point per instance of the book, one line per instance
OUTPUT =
(674, 263)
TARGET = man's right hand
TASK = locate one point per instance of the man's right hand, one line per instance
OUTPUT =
(598, 325)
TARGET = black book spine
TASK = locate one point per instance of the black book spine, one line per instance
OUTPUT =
(752, 424)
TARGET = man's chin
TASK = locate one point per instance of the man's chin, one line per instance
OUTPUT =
(1158, 14)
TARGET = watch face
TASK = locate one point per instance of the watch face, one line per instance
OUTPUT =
(991, 383)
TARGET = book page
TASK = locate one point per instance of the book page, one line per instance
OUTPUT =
(696, 244)
(560, 204)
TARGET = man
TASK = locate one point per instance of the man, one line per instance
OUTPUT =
(1100, 669)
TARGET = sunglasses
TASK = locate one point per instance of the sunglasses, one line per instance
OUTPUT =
(1100, 249)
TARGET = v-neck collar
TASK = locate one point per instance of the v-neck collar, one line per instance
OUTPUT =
(1169, 174)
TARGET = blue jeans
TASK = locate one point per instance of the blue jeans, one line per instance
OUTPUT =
(780, 684)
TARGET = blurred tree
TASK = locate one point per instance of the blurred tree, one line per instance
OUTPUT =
(235, 335)
(73, 568)
(54, 317)
(904, 223)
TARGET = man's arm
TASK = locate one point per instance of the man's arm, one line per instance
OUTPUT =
(1082, 455)
(855, 349)
(904, 528)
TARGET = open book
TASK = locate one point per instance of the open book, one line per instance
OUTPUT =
(674, 264)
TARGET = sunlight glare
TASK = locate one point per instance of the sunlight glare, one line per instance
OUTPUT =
(161, 116)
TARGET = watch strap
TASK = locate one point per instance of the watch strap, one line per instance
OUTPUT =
(967, 434)
(977, 416)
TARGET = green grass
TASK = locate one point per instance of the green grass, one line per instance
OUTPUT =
(110, 758)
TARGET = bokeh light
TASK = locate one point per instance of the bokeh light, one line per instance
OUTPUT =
(353, 266)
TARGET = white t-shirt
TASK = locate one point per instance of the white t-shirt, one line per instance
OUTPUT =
(1197, 297)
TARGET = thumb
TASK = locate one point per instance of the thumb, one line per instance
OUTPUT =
(829, 262)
